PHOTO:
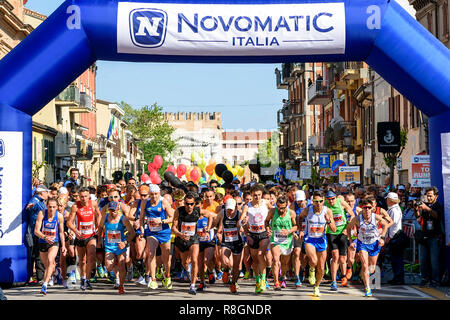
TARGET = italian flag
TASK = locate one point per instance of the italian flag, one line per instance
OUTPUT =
(112, 131)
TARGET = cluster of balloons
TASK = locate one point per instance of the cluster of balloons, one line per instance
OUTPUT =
(153, 170)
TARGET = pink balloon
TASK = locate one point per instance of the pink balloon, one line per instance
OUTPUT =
(181, 170)
(157, 161)
(151, 167)
(144, 177)
(156, 180)
(172, 169)
(194, 174)
(153, 175)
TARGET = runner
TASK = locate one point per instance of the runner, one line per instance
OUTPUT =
(231, 243)
(113, 225)
(66, 258)
(369, 240)
(88, 216)
(186, 238)
(351, 250)
(159, 214)
(337, 240)
(280, 226)
(256, 234)
(49, 229)
(298, 204)
(246, 256)
(317, 217)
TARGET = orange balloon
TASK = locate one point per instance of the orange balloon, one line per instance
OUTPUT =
(210, 169)
(188, 174)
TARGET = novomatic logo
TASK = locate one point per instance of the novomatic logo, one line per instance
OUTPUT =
(2, 148)
(148, 27)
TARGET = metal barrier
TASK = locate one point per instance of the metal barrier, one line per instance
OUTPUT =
(409, 229)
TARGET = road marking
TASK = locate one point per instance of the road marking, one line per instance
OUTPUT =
(434, 293)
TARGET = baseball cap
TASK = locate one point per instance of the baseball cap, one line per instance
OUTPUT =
(300, 195)
(221, 191)
(41, 188)
(63, 190)
(330, 194)
(392, 196)
(401, 187)
(230, 204)
(112, 205)
(154, 188)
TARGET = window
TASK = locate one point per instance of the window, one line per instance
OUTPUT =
(405, 113)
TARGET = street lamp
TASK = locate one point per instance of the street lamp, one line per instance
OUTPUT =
(73, 152)
(312, 154)
(348, 142)
(127, 167)
(103, 159)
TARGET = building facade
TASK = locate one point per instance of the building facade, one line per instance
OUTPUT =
(242, 146)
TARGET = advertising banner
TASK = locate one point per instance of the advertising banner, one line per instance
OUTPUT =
(305, 170)
(349, 175)
(420, 171)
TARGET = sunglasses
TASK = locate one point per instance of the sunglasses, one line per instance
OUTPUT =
(317, 201)
(114, 197)
(144, 195)
(189, 203)
(239, 203)
(331, 199)
(367, 207)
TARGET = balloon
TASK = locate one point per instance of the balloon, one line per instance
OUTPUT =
(193, 156)
(227, 176)
(202, 180)
(210, 169)
(181, 170)
(151, 167)
(219, 169)
(202, 165)
(144, 177)
(170, 177)
(172, 169)
(187, 174)
(201, 154)
(157, 161)
(156, 180)
(153, 175)
(254, 167)
(195, 174)
(240, 171)
(229, 167)
(233, 171)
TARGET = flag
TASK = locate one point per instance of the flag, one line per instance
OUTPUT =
(112, 131)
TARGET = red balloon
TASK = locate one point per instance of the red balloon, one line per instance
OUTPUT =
(156, 180)
(181, 170)
(157, 161)
(172, 169)
(151, 167)
(144, 177)
(153, 175)
(194, 175)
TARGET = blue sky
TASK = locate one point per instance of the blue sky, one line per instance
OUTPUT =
(246, 94)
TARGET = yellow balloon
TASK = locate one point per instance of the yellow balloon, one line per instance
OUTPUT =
(240, 171)
(229, 167)
(233, 171)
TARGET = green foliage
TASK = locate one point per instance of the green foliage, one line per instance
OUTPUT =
(268, 152)
(390, 159)
(36, 168)
(154, 132)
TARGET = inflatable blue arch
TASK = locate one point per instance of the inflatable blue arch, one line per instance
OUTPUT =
(80, 32)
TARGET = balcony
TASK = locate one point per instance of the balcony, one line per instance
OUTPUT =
(280, 85)
(69, 97)
(84, 151)
(319, 93)
(352, 70)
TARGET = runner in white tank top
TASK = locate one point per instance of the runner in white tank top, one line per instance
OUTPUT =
(253, 216)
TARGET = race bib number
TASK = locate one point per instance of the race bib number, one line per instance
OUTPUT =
(315, 230)
(231, 234)
(154, 224)
(257, 228)
(304, 223)
(113, 236)
(202, 234)
(188, 228)
(279, 238)
(338, 221)
(86, 227)
(49, 233)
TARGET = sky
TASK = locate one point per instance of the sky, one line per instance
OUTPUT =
(245, 94)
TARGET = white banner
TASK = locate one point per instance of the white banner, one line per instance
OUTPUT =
(445, 141)
(231, 29)
(420, 171)
(305, 170)
(11, 188)
(292, 175)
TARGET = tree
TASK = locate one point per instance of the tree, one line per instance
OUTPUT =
(154, 132)
(390, 159)
(36, 168)
(268, 153)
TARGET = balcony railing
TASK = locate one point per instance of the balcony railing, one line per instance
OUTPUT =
(70, 96)
(280, 84)
(86, 101)
(319, 93)
(84, 152)
(352, 70)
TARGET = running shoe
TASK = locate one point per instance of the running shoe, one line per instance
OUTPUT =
(333, 286)
(116, 285)
(219, 275)
(44, 290)
(258, 287)
(112, 277)
(153, 285)
(368, 292)
(51, 282)
(312, 276)
(141, 281)
(77, 275)
(105, 272)
(344, 282)
(211, 278)
(246, 275)
(302, 275)
(83, 285)
(267, 285)
(93, 280)
(316, 292)
(192, 291)
(298, 283)
(72, 277)
(264, 285)
(277, 286)
(100, 272)
(167, 282)
(348, 274)
(233, 288)
(159, 273)
(88, 285)
(65, 284)
(283, 284)
(201, 287)
(225, 277)
(121, 291)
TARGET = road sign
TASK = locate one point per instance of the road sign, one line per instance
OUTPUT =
(335, 166)
(420, 171)
(305, 170)
(324, 160)
(399, 164)
(349, 175)
(292, 175)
